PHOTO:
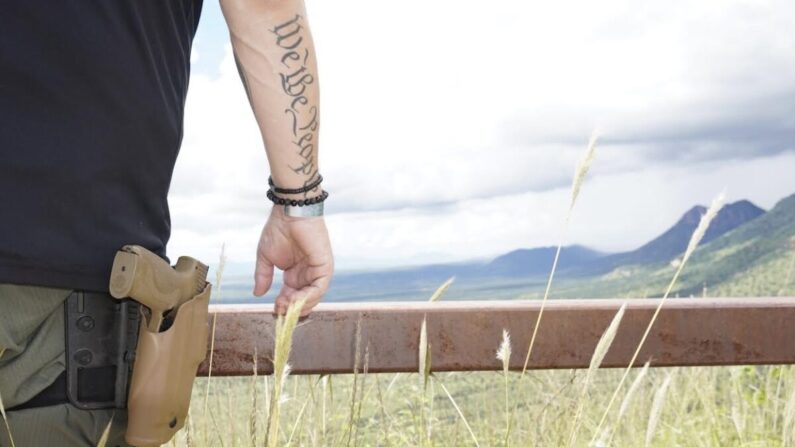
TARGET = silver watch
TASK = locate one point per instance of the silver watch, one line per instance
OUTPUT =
(315, 209)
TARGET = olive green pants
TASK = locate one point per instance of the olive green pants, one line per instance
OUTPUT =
(31, 358)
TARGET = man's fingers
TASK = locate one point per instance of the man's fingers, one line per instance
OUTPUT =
(263, 276)
(313, 293)
(289, 295)
(280, 305)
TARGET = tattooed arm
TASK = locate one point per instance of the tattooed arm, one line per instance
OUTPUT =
(275, 56)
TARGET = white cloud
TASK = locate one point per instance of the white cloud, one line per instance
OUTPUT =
(450, 129)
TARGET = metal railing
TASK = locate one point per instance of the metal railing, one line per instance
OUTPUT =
(464, 335)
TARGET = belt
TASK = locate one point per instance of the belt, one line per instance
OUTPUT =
(54, 394)
(101, 334)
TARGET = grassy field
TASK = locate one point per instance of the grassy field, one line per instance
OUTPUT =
(704, 406)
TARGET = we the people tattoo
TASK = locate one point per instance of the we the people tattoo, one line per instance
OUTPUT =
(295, 79)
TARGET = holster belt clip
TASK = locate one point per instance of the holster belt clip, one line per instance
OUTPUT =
(101, 338)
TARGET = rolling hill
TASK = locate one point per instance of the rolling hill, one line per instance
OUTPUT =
(730, 258)
(537, 261)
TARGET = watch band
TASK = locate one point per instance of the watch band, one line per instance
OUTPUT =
(316, 209)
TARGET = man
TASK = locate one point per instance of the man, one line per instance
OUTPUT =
(91, 111)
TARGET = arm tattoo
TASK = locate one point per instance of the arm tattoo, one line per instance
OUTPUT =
(295, 79)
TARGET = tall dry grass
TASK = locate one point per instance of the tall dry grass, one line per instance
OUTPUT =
(696, 410)
(219, 274)
(605, 341)
(656, 407)
(788, 426)
(695, 239)
(504, 355)
(282, 345)
(424, 368)
(580, 172)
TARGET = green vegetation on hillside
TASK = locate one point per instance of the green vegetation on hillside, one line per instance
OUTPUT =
(754, 259)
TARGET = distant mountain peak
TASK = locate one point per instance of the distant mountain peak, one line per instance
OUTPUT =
(692, 216)
(732, 216)
(664, 248)
(674, 241)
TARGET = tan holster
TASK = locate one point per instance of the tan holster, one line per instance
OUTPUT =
(163, 373)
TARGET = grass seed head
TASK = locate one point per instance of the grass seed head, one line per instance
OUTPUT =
(437, 295)
(606, 340)
(632, 390)
(703, 225)
(582, 169)
(504, 351)
(424, 368)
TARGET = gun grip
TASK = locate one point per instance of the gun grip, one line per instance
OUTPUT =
(147, 278)
(122, 276)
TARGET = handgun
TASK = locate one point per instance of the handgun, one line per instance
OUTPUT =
(172, 342)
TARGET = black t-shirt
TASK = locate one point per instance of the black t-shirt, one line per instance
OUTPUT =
(92, 94)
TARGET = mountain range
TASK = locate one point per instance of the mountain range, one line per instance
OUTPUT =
(740, 236)
(745, 249)
(673, 242)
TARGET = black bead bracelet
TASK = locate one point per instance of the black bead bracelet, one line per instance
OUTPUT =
(306, 188)
(296, 202)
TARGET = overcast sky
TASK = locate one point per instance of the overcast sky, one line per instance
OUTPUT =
(450, 129)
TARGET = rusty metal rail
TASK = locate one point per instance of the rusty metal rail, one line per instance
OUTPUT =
(464, 335)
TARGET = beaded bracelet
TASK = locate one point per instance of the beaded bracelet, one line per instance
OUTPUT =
(296, 202)
(306, 188)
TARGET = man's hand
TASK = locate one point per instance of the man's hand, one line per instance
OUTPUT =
(300, 247)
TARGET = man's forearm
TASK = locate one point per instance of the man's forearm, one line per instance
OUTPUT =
(276, 59)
